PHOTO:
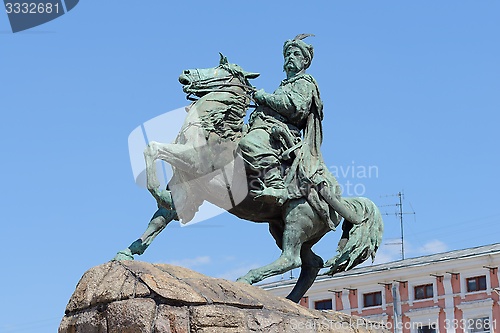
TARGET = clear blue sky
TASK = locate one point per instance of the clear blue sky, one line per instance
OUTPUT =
(411, 88)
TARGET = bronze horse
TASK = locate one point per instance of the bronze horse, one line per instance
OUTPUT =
(207, 166)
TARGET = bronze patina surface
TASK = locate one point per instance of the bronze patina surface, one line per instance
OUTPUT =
(271, 167)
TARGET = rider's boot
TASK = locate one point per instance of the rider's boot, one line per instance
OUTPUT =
(274, 190)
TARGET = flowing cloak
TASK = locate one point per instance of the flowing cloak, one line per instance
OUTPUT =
(298, 100)
(308, 172)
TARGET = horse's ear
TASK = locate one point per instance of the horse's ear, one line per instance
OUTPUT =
(223, 60)
(249, 75)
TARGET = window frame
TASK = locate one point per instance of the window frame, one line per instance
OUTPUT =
(425, 290)
(470, 273)
(374, 293)
(477, 282)
(418, 281)
(316, 302)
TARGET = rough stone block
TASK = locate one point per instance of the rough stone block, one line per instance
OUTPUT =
(217, 316)
(90, 321)
(172, 319)
(137, 297)
(131, 316)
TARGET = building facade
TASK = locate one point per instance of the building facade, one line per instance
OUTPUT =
(456, 291)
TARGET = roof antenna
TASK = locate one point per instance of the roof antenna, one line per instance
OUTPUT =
(399, 213)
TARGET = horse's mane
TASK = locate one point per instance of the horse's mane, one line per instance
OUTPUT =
(237, 71)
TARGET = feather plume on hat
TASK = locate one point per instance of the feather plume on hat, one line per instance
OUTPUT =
(302, 36)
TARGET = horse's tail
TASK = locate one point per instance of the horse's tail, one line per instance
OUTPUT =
(358, 241)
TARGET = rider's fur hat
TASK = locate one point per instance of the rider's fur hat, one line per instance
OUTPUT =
(307, 50)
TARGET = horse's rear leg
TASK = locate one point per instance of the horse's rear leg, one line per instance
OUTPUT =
(158, 222)
(311, 265)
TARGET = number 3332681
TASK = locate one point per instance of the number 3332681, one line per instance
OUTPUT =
(31, 8)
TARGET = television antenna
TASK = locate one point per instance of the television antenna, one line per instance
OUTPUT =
(399, 213)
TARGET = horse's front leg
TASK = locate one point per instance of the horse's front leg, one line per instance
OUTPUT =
(150, 156)
(181, 156)
(158, 222)
(152, 153)
(293, 239)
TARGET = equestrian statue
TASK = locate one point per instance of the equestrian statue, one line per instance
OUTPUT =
(270, 170)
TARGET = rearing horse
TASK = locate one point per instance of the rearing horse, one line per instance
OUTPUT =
(207, 167)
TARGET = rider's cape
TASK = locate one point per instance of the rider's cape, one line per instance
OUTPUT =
(308, 171)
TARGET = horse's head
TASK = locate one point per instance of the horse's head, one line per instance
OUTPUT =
(203, 81)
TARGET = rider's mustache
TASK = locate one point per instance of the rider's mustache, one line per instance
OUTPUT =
(294, 62)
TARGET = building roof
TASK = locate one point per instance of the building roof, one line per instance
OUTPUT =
(411, 262)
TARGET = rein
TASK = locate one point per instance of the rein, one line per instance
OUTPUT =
(215, 85)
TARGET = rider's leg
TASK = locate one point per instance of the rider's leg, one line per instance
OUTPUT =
(158, 222)
(273, 186)
(261, 153)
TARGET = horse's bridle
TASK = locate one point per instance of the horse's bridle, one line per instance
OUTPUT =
(217, 84)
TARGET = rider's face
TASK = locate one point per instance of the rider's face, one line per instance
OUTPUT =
(294, 61)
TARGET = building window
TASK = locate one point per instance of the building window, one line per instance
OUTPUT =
(424, 291)
(372, 299)
(325, 304)
(479, 325)
(427, 329)
(476, 283)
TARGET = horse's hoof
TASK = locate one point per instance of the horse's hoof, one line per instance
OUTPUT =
(123, 255)
(243, 280)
